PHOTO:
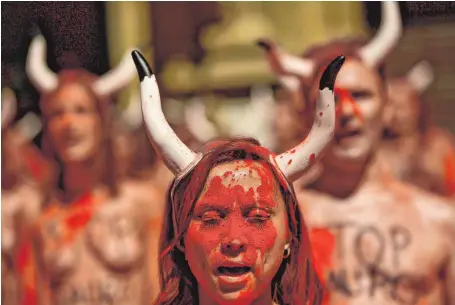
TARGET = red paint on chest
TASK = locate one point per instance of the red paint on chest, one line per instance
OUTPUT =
(323, 247)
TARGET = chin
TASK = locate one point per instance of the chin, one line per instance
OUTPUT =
(76, 156)
(357, 153)
(235, 298)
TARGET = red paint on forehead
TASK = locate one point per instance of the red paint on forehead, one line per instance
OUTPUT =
(289, 162)
(346, 98)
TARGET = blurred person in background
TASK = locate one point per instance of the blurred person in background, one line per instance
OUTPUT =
(375, 239)
(233, 232)
(26, 178)
(93, 241)
(418, 152)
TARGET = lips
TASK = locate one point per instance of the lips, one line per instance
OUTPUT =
(342, 134)
(232, 276)
(233, 271)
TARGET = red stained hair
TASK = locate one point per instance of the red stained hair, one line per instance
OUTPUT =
(295, 283)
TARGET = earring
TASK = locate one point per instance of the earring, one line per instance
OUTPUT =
(287, 251)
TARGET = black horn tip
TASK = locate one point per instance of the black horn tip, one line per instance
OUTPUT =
(142, 67)
(35, 30)
(330, 73)
(264, 44)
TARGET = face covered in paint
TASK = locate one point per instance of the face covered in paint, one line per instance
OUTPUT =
(403, 109)
(236, 238)
(73, 123)
(360, 102)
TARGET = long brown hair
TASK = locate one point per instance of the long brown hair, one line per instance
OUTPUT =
(85, 80)
(295, 283)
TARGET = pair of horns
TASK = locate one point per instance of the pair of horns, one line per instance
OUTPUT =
(178, 157)
(45, 80)
(288, 66)
(420, 76)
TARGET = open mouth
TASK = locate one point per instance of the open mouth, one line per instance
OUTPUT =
(347, 134)
(233, 271)
(389, 133)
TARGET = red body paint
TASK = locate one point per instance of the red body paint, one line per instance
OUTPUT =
(449, 173)
(323, 246)
(345, 97)
(312, 158)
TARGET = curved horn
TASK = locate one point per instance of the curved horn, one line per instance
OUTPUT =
(197, 122)
(285, 65)
(36, 67)
(9, 106)
(29, 126)
(132, 115)
(420, 76)
(296, 161)
(117, 78)
(176, 155)
(387, 36)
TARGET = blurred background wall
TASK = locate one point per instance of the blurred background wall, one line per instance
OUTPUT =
(207, 49)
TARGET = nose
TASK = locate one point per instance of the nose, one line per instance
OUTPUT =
(234, 242)
(232, 248)
(66, 121)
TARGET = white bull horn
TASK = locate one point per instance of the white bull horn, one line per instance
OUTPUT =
(176, 155)
(387, 36)
(420, 76)
(296, 161)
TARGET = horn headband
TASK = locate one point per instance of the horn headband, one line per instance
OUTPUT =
(180, 159)
(45, 80)
(288, 66)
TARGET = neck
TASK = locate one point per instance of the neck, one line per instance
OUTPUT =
(80, 178)
(264, 299)
(343, 179)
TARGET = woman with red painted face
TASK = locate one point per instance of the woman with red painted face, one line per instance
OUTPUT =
(26, 177)
(233, 233)
(95, 242)
(375, 239)
(418, 151)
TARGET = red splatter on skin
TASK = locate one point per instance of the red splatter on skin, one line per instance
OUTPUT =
(312, 158)
(74, 220)
(225, 214)
(345, 97)
(293, 151)
(289, 162)
(323, 246)
(320, 113)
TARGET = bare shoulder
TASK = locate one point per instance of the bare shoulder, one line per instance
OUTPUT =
(145, 196)
(434, 209)
(440, 139)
